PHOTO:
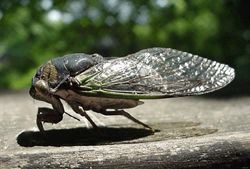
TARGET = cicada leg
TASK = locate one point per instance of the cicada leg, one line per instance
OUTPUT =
(125, 114)
(78, 110)
(47, 115)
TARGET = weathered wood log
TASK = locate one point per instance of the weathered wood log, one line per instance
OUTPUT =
(201, 133)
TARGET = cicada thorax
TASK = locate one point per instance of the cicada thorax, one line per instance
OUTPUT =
(60, 70)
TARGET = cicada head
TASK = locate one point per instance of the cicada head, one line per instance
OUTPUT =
(41, 82)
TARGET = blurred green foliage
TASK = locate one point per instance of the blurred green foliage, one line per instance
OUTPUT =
(33, 31)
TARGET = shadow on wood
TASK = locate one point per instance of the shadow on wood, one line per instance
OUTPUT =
(80, 136)
(112, 135)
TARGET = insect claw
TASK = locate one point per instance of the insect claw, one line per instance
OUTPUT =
(152, 130)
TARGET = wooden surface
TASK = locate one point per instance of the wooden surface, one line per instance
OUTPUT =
(192, 132)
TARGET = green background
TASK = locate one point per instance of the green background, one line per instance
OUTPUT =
(33, 31)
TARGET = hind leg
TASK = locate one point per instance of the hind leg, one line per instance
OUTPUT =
(80, 111)
(125, 114)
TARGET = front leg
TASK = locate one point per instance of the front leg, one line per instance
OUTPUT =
(47, 115)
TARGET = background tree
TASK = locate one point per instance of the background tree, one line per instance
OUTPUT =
(32, 32)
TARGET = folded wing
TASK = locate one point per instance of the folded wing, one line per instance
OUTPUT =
(159, 72)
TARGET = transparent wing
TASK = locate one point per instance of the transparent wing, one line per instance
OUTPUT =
(158, 72)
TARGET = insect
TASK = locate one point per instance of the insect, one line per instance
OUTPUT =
(90, 82)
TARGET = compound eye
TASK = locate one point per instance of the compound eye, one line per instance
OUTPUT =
(42, 86)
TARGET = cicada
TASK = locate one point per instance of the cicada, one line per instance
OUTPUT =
(108, 86)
